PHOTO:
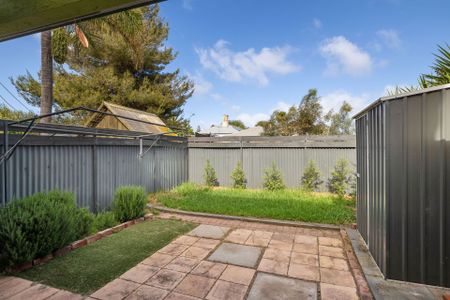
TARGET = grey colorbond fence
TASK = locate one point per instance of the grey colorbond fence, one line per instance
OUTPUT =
(92, 167)
(403, 199)
(290, 154)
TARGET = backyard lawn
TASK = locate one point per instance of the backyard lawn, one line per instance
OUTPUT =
(89, 268)
(290, 204)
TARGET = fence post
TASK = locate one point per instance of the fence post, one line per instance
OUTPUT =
(94, 176)
(5, 162)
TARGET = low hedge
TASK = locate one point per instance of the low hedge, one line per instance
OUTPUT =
(129, 203)
(40, 224)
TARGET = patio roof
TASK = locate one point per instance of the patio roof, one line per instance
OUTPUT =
(22, 17)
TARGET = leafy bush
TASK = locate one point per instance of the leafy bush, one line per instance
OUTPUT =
(311, 177)
(238, 176)
(39, 224)
(103, 221)
(273, 180)
(340, 178)
(210, 175)
(129, 203)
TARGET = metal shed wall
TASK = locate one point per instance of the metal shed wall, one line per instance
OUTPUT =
(407, 190)
(92, 170)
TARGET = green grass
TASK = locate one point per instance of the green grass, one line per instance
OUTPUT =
(89, 268)
(295, 205)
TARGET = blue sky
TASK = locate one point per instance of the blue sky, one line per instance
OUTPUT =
(249, 57)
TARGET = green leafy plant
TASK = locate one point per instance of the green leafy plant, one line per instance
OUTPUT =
(339, 181)
(273, 180)
(311, 177)
(39, 224)
(210, 176)
(238, 177)
(129, 203)
(103, 221)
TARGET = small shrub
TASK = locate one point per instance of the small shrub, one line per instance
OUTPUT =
(311, 177)
(39, 224)
(273, 180)
(85, 222)
(210, 175)
(238, 177)
(340, 178)
(103, 221)
(129, 203)
(187, 188)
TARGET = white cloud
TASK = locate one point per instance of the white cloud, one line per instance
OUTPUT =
(334, 100)
(251, 119)
(282, 106)
(317, 23)
(246, 65)
(390, 38)
(201, 85)
(345, 57)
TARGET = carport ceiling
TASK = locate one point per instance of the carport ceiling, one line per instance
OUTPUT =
(22, 17)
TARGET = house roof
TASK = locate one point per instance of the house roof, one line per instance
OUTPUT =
(252, 131)
(215, 129)
(131, 125)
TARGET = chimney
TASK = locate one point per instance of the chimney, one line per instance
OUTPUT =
(225, 121)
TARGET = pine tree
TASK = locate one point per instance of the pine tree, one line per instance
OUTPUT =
(210, 176)
(238, 177)
(273, 179)
(311, 177)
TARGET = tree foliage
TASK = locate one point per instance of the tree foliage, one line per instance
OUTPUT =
(9, 114)
(125, 64)
(210, 176)
(340, 122)
(273, 179)
(238, 124)
(238, 177)
(341, 177)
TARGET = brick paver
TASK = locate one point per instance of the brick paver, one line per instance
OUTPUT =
(228, 259)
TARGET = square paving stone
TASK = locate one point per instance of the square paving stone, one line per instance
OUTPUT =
(224, 290)
(267, 286)
(116, 289)
(336, 277)
(186, 240)
(209, 269)
(193, 285)
(332, 242)
(241, 255)
(306, 248)
(305, 239)
(333, 263)
(306, 272)
(238, 236)
(273, 266)
(182, 264)
(278, 255)
(259, 238)
(173, 249)
(13, 286)
(238, 275)
(158, 260)
(140, 273)
(145, 292)
(65, 295)
(331, 251)
(195, 252)
(305, 259)
(35, 292)
(177, 296)
(334, 292)
(209, 231)
(166, 279)
(206, 243)
(281, 245)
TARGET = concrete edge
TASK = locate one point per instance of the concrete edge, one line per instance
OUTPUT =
(247, 219)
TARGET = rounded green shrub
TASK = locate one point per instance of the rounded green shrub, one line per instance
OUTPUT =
(129, 203)
(103, 221)
(340, 180)
(311, 177)
(39, 224)
(273, 179)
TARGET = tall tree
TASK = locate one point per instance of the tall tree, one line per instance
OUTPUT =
(238, 124)
(46, 102)
(125, 64)
(310, 115)
(341, 121)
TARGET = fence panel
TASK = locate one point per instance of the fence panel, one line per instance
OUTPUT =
(290, 154)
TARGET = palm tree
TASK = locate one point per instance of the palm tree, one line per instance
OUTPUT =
(60, 45)
(440, 69)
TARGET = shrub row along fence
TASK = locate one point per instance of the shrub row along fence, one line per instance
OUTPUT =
(92, 163)
(290, 154)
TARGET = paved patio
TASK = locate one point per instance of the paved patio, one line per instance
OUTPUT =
(229, 259)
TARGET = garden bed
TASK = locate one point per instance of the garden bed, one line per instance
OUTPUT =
(86, 269)
(290, 204)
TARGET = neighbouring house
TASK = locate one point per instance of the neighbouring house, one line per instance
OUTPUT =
(225, 129)
(97, 120)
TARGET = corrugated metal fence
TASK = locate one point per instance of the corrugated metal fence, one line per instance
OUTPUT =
(290, 154)
(92, 167)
